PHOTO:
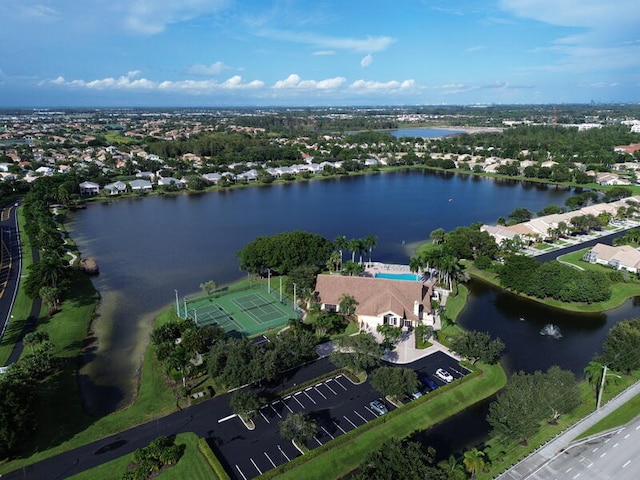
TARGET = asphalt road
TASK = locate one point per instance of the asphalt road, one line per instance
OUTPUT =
(9, 263)
(336, 404)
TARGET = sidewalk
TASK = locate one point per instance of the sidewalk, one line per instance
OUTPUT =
(531, 464)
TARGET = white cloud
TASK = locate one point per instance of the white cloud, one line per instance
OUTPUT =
(295, 82)
(359, 45)
(38, 12)
(152, 16)
(129, 82)
(365, 86)
(324, 52)
(477, 48)
(207, 70)
(366, 61)
(606, 32)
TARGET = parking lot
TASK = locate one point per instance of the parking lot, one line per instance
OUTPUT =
(336, 405)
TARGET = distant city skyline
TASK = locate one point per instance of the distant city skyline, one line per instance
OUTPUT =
(208, 53)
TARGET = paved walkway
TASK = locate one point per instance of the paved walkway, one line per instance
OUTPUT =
(538, 459)
(405, 351)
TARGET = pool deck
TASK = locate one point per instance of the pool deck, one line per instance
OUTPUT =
(371, 269)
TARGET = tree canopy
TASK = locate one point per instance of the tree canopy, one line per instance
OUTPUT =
(285, 251)
(478, 346)
(357, 352)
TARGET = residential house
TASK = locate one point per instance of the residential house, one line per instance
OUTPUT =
(89, 189)
(171, 181)
(623, 257)
(115, 188)
(140, 185)
(379, 300)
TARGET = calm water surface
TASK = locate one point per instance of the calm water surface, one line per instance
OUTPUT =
(423, 132)
(149, 247)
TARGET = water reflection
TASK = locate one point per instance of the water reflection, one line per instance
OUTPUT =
(518, 323)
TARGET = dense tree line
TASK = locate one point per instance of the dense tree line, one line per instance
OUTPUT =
(530, 399)
(237, 361)
(525, 275)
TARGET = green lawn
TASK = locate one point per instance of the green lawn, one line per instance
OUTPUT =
(617, 418)
(192, 465)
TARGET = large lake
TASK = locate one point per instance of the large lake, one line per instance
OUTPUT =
(149, 247)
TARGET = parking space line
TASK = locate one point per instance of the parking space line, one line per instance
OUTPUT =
(243, 475)
(316, 439)
(336, 379)
(265, 454)
(370, 411)
(274, 410)
(282, 452)
(319, 392)
(314, 402)
(294, 397)
(325, 431)
(332, 390)
(363, 419)
(264, 416)
(348, 420)
(254, 464)
(341, 429)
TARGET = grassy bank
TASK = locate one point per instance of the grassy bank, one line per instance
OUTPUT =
(62, 422)
(620, 292)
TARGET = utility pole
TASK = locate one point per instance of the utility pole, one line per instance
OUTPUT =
(177, 304)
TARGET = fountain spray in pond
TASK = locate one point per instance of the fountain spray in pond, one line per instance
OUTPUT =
(551, 330)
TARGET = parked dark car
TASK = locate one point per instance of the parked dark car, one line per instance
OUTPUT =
(429, 383)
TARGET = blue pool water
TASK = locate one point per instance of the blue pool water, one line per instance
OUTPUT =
(399, 276)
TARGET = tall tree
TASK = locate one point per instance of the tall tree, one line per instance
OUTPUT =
(341, 243)
(357, 352)
(298, 427)
(474, 461)
(394, 381)
(370, 242)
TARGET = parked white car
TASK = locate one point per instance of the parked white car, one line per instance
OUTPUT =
(443, 375)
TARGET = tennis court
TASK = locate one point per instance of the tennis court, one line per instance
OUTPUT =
(243, 313)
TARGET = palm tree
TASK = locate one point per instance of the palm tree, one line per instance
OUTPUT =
(354, 246)
(415, 264)
(341, 244)
(454, 469)
(347, 305)
(334, 262)
(370, 242)
(474, 461)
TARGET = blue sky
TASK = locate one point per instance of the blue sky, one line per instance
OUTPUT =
(317, 52)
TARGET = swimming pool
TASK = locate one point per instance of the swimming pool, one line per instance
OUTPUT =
(399, 276)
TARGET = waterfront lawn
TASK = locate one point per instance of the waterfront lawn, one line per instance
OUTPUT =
(62, 422)
(192, 465)
(620, 291)
(345, 454)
